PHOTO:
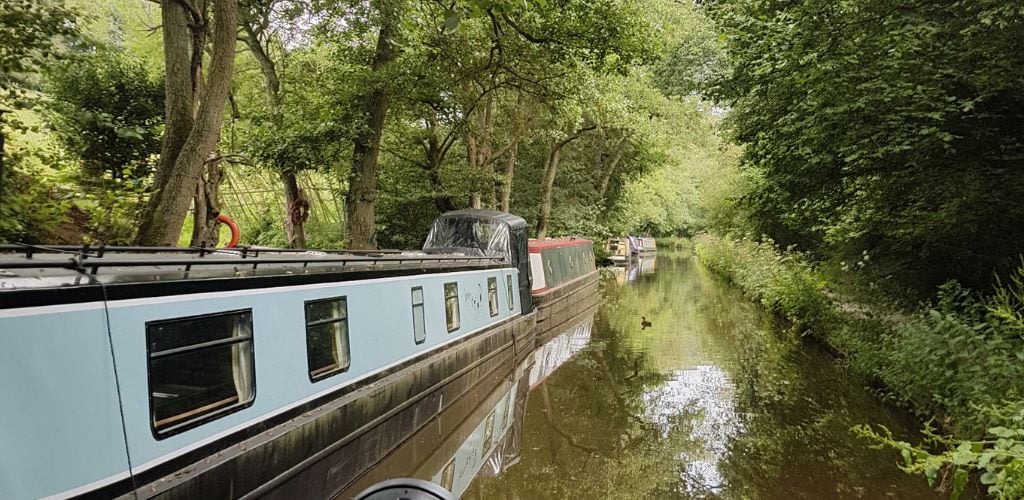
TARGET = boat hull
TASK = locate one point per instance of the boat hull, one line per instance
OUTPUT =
(316, 454)
(556, 305)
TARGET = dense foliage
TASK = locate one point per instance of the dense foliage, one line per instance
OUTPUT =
(890, 127)
(106, 112)
(882, 150)
(32, 34)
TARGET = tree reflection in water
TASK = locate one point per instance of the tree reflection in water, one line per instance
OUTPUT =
(715, 400)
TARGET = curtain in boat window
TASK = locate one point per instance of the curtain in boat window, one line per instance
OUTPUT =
(451, 306)
(242, 362)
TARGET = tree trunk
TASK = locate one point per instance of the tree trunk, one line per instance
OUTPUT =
(179, 99)
(472, 157)
(548, 184)
(175, 182)
(485, 150)
(360, 201)
(2, 152)
(510, 170)
(296, 208)
(609, 171)
(480, 152)
(206, 207)
(436, 150)
(546, 187)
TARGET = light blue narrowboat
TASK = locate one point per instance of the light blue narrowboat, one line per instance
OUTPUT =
(143, 372)
(188, 373)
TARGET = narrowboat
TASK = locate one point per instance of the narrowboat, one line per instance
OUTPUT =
(194, 373)
(562, 272)
(642, 245)
(191, 373)
(564, 277)
(618, 250)
(622, 250)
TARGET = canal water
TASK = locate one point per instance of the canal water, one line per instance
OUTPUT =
(712, 400)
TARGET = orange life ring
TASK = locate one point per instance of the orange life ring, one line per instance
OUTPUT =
(236, 233)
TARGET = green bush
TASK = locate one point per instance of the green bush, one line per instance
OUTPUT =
(965, 353)
(781, 280)
(31, 206)
(106, 112)
(999, 457)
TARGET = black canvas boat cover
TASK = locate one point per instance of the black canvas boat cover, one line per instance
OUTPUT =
(487, 233)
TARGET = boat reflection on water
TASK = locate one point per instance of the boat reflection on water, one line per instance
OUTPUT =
(480, 435)
(555, 348)
(631, 270)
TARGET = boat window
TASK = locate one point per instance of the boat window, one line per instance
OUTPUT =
(451, 305)
(510, 290)
(327, 348)
(492, 295)
(200, 368)
(419, 325)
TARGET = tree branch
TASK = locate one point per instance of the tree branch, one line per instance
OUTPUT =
(524, 34)
(573, 137)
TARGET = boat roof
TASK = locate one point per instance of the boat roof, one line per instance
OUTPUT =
(26, 268)
(538, 245)
(513, 221)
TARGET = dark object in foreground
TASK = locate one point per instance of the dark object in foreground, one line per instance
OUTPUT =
(644, 323)
(405, 489)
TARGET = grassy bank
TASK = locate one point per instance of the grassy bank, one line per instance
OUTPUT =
(674, 243)
(958, 361)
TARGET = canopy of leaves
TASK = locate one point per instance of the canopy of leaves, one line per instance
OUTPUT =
(31, 32)
(886, 126)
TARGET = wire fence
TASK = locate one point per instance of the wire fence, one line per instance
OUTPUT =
(254, 198)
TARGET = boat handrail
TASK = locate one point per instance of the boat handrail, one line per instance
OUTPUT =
(90, 260)
(99, 251)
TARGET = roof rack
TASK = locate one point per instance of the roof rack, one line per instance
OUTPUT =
(46, 260)
(99, 251)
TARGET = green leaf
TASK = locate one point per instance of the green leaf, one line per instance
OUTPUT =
(931, 472)
(985, 458)
(451, 22)
(959, 483)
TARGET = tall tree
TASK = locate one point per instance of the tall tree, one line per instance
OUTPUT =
(361, 199)
(256, 21)
(194, 108)
(554, 157)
